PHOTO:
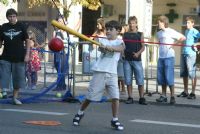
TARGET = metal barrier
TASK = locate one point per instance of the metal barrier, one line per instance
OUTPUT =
(88, 59)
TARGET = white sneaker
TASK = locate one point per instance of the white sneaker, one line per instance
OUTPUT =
(16, 102)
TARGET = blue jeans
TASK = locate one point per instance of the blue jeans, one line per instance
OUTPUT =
(16, 70)
(165, 71)
(188, 66)
(60, 65)
(135, 67)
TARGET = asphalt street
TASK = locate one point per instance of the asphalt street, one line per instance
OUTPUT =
(137, 119)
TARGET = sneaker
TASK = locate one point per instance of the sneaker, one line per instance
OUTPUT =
(191, 96)
(28, 87)
(77, 119)
(34, 87)
(162, 99)
(172, 100)
(117, 125)
(16, 102)
(142, 101)
(129, 100)
(4, 95)
(183, 94)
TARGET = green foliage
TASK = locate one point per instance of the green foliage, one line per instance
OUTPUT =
(5, 2)
(90, 4)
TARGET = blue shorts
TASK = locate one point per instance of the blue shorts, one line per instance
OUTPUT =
(165, 71)
(188, 66)
(16, 70)
(135, 67)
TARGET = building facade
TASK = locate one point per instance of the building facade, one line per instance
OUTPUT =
(39, 19)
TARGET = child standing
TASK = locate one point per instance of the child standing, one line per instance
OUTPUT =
(105, 74)
(132, 63)
(33, 65)
(120, 67)
(188, 59)
(165, 67)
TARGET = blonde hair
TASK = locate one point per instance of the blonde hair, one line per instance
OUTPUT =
(102, 22)
(133, 18)
(32, 37)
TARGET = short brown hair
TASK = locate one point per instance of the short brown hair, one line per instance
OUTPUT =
(164, 20)
(133, 18)
(11, 11)
(189, 18)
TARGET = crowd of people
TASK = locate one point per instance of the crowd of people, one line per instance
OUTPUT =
(120, 57)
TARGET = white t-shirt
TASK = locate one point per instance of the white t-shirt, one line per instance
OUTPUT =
(107, 62)
(168, 36)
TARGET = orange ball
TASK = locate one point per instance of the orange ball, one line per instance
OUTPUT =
(56, 45)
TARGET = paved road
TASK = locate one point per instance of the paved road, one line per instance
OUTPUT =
(137, 119)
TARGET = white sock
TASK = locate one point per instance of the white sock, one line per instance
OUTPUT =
(80, 112)
(115, 119)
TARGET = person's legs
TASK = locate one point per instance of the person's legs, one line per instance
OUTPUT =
(141, 91)
(59, 66)
(77, 118)
(185, 84)
(128, 74)
(29, 80)
(114, 94)
(169, 71)
(164, 90)
(194, 81)
(115, 107)
(5, 68)
(184, 75)
(172, 99)
(18, 76)
(115, 121)
(192, 75)
(95, 93)
(161, 79)
(123, 85)
(139, 77)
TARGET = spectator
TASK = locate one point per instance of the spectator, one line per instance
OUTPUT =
(34, 65)
(13, 34)
(188, 59)
(165, 69)
(120, 67)
(132, 63)
(60, 57)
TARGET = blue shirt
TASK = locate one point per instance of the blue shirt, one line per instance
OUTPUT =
(191, 37)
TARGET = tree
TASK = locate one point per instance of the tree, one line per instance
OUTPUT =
(5, 2)
(90, 4)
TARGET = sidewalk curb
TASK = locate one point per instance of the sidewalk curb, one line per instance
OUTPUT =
(122, 100)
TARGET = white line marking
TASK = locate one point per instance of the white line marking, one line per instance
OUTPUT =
(33, 111)
(166, 123)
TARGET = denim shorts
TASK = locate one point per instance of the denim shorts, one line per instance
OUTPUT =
(188, 66)
(135, 67)
(165, 71)
(16, 70)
